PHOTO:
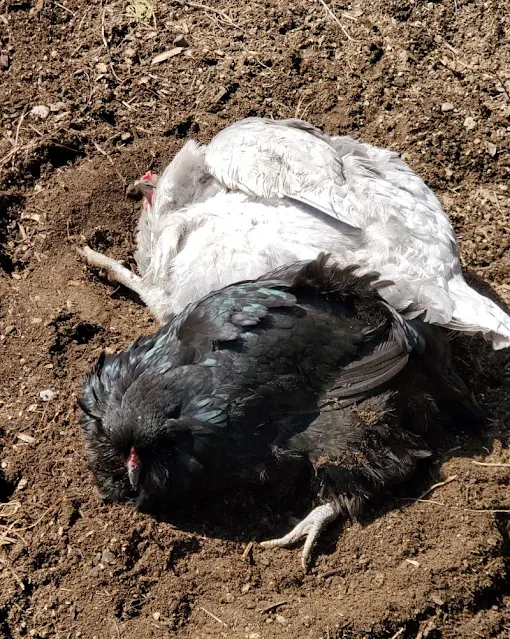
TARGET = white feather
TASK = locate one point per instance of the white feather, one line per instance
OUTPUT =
(264, 193)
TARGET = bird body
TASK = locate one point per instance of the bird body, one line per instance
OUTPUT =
(298, 370)
(263, 193)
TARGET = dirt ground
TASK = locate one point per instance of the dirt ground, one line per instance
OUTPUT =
(430, 80)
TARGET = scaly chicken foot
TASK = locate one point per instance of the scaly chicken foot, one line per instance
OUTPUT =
(116, 272)
(310, 527)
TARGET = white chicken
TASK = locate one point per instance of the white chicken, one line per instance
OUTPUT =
(264, 193)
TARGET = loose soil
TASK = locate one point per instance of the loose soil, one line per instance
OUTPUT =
(430, 80)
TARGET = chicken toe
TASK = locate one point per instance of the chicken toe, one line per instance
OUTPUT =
(310, 527)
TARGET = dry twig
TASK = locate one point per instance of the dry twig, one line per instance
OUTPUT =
(247, 550)
(103, 152)
(213, 616)
(502, 84)
(492, 464)
(469, 510)
(107, 47)
(226, 17)
(273, 607)
(336, 19)
(440, 483)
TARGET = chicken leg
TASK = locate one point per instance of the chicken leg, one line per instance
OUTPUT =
(116, 272)
(310, 527)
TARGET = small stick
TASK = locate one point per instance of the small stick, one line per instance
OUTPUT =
(18, 127)
(106, 46)
(204, 7)
(492, 464)
(103, 152)
(247, 550)
(330, 573)
(469, 510)
(429, 501)
(413, 562)
(46, 512)
(346, 15)
(440, 483)
(336, 19)
(213, 616)
(273, 607)
(116, 628)
(65, 8)
(398, 633)
(502, 84)
(36, 130)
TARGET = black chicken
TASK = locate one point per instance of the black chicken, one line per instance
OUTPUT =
(257, 381)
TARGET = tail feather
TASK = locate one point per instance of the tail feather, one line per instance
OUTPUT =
(475, 313)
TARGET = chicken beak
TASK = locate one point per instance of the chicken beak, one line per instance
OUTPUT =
(134, 467)
(134, 475)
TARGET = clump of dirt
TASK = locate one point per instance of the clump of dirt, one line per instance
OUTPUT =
(85, 109)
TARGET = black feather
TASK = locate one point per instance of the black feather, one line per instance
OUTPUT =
(306, 367)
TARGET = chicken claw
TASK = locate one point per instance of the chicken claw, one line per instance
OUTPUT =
(310, 527)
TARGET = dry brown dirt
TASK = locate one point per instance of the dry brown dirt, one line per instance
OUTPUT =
(428, 79)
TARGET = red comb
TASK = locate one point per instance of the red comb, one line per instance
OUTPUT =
(147, 176)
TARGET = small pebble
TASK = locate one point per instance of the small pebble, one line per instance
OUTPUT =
(281, 619)
(40, 111)
(28, 439)
(378, 579)
(22, 484)
(156, 616)
(47, 395)
(492, 149)
(447, 106)
(180, 41)
(245, 588)
(437, 599)
(469, 123)
(126, 136)
(254, 635)
(101, 67)
(107, 557)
